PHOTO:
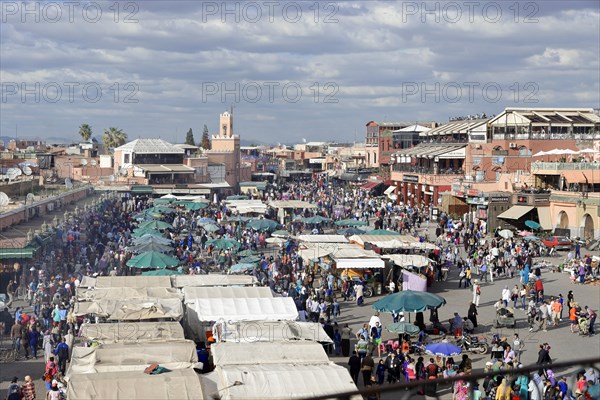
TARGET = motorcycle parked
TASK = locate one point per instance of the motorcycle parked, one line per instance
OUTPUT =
(473, 344)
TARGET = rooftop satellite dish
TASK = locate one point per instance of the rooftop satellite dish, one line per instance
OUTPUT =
(68, 183)
(30, 198)
(111, 178)
(123, 171)
(93, 163)
(4, 200)
(12, 173)
(83, 162)
(27, 170)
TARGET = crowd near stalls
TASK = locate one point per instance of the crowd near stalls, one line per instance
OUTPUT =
(141, 298)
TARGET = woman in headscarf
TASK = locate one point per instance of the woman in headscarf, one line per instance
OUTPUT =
(504, 391)
(47, 344)
(536, 388)
(523, 382)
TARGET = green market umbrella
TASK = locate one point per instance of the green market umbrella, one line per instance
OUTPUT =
(240, 268)
(150, 246)
(531, 237)
(161, 272)
(317, 219)
(262, 224)
(151, 238)
(403, 327)
(383, 232)
(161, 210)
(409, 301)
(144, 215)
(225, 244)
(351, 222)
(281, 234)
(192, 205)
(210, 227)
(145, 231)
(157, 225)
(238, 218)
(152, 259)
(246, 253)
(162, 201)
(250, 260)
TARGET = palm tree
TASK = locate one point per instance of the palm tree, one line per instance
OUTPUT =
(85, 131)
(113, 137)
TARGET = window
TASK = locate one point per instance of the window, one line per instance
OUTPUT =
(375, 158)
(126, 158)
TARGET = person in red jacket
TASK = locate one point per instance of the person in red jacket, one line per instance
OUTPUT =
(539, 290)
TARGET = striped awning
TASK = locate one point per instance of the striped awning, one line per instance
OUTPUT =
(8, 253)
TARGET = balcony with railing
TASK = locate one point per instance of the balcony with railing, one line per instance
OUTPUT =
(426, 170)
(565, 166)
(546, 136)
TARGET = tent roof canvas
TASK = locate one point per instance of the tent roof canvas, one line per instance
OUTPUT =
(133, 281)
(135, 332)
(270, 331)
(244, 309)
(180, 281)
(220, 292)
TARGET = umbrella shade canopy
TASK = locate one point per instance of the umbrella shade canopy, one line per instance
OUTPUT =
(351, 231)
(262, 224)
(145, 231)
(531, 237)
(150, 246)
(281, 234)
(384, 232)
(246, 253)
(224, 244)
(237, 197)
(161, 210)
(588, 151)
(250, 260)
(149, 238)
(152, 259)
(443, 349)
(157, 225)
(506, 233)
(403, 327)
(192, 205)
(532, 224)
(240, 268)
(525, 233)
(539, 154)
(160, 272)
(317, 219)
(144, 215)
(203, 221)
(409, 301)
(351, 222)
(211, 228)
(238, 218)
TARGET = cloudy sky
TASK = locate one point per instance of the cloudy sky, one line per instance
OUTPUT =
(291, 70)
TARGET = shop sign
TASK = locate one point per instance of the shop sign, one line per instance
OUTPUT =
(411, 178)
(473, 192)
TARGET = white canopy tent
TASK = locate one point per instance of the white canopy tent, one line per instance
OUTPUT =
(297, 353)
(132, 332)
(132, 309)
(269, 331)
(281, 381)
(85, 294)
(409, 259)
(322, 238)
(180, 281)
(87, 282)
(179, 384)
(191, 293)
(132, 357)
(245, 309)
(359, 263)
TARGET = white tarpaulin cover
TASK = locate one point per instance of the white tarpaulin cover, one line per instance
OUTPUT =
(414, 282)
(229, 353)
(180, 281)
(133, 309)
(87, 282)
(380, 239)
(291, 204)
(84, 294)
(138, 281)
(132, 332)
(310, 251)
(132, 357)
(322, 238)
(269, 331)
(279, 381)
(403, 260)
(244, 309)
(179, 384)
(359, 263)
(221, 292)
